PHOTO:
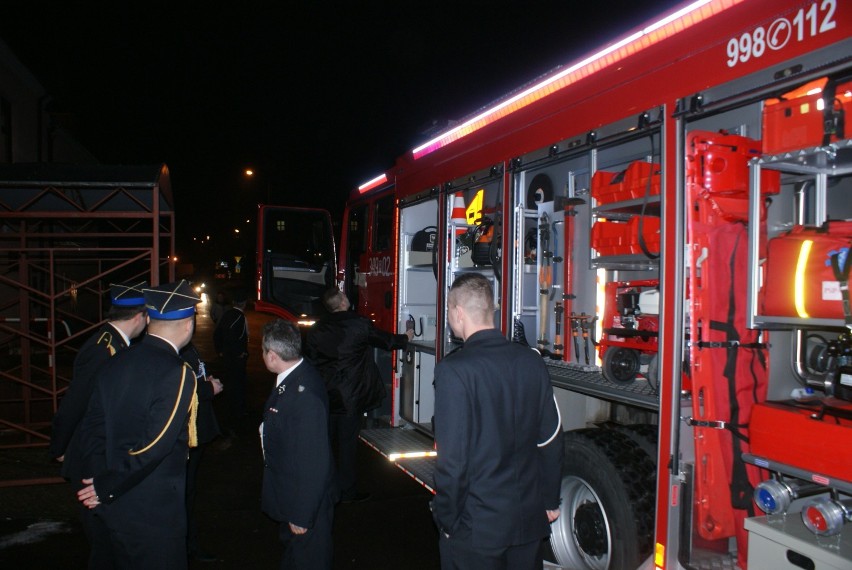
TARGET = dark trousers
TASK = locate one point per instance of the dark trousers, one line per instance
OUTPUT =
(312, 550)
(344, 442)
(100, 544)
(136, 552)
(457, 553)
(195, 454)
(234, 380)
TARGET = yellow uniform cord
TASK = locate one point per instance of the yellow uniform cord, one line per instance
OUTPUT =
(194, 404)
(193, 417)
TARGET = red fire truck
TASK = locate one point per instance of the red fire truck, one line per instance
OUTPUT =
(664, 221)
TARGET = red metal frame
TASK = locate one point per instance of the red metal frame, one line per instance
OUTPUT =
(72, 231)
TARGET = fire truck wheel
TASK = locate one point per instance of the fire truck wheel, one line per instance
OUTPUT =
(643, 435)
(620, 365)
(607, 519)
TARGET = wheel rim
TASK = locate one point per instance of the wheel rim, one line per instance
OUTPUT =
(622, 365)
(581, 537)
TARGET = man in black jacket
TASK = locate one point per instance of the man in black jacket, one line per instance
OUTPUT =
(136, 434)
(125, 321)
(230, 339)
(340, 346)
(499, 442)
(298, 483)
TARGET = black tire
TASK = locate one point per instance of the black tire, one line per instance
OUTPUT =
(643, 435)
(607, 518)
(620, 365)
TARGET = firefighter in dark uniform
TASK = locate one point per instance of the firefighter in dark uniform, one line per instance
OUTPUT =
(136, 435)
(125, 321)
(499, 441)
(298, 484)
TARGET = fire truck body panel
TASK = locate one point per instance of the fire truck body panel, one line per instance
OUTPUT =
(512, 193)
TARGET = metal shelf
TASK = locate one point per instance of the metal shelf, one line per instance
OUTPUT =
(634, 206)
(834, 159)
(635, 262)
(589, 380)
(426, 346)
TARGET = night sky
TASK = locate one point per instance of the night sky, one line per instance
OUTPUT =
(317, 97)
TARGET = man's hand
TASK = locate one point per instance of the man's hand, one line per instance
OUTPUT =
(297, 529)
(552, 515)
(61, 458)
(217, 384)
(87, 495)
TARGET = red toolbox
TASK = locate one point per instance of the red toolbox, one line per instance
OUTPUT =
(629, 184)
(806, 117)
(622, 238)
(800, 279)
(815, 436)
(718, 163)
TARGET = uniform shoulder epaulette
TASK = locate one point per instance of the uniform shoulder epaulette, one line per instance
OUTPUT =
(106, 339)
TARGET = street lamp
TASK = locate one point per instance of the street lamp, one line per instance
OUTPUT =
(250, 174)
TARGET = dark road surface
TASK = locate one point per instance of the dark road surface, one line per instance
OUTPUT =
(392, 530)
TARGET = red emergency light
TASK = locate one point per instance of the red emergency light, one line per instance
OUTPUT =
(370, 184)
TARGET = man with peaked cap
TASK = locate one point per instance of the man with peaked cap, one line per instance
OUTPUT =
(136, 437)
(125, 321)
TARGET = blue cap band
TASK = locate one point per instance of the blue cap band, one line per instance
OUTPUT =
(175, 315)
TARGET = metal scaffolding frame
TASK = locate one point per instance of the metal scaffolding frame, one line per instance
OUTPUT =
(66, 233)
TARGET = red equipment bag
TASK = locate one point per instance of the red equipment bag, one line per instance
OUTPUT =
(807, 272)
(812, 115)
(622, 238)
(634, 182)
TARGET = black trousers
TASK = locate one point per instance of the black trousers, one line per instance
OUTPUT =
(314, 549)
(195, 454)
(100, 544)
(234, 380)
(344, 442)
(137, 552)
(457, 553)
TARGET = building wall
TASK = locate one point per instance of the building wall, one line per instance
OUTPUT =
(27, 131)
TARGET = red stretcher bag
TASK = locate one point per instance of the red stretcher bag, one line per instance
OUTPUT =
(807, 270)
(718, 162)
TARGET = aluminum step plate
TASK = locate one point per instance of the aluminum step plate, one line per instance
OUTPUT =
(409, 450)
